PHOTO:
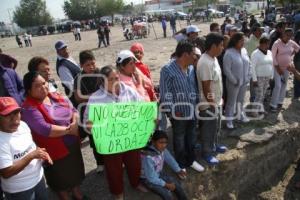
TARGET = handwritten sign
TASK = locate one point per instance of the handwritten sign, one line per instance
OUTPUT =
(120, 127)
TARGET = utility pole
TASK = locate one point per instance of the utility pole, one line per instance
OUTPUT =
(9, 15)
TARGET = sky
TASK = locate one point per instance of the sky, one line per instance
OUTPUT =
(54, 6)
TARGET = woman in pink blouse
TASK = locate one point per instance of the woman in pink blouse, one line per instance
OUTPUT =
(129, 75)
(282, 50)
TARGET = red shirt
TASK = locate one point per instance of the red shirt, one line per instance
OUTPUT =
(143, 68)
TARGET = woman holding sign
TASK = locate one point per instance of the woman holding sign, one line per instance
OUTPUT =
(53, 123)
(113, 91)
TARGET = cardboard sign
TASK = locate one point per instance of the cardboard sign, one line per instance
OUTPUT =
(120, 127)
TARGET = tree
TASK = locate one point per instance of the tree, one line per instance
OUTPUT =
(286, 2)
(81, 9)
(32, 13)
(111, 7)
(89, 9)
(128, 9)
(200, 3)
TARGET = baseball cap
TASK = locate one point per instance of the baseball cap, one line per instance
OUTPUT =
(137, 47)
(60, 45)
(8, 105)
(125, 54)
(192, 29)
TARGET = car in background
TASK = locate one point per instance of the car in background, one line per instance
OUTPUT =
(199, 13)
(106, 19)
(216, 13)
(181, 15)
(6, 33)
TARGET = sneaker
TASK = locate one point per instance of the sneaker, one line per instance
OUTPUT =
(211, 160)
(244, 118)
(196, 166)
(221, 149)
(100, 168)
(229, 125)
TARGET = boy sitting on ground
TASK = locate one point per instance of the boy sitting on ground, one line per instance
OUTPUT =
(153, 158)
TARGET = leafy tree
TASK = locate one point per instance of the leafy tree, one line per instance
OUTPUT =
(88, 9)
(81, 9)
(285, 2)
(32, 13)
(128, 9)
(111, 7)
(200, 3)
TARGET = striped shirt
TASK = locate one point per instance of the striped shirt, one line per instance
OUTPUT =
(178, 90)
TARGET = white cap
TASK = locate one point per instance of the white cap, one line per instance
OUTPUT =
(125, 54)
(192, 29)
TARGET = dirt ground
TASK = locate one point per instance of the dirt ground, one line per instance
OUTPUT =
(157, 53)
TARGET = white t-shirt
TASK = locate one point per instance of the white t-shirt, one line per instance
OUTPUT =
(208, 68)
(262, 65)
(14, 146)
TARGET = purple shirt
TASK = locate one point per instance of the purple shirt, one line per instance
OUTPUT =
(61, 116)
(8, 61)
(12, 84)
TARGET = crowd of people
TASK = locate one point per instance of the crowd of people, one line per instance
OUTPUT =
(205, 79)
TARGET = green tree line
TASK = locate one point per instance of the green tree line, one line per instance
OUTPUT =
(34, 12)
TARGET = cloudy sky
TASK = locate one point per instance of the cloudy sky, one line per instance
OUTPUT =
(54, 6)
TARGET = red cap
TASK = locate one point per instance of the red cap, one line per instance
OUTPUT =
(137, 47)
(8, 105)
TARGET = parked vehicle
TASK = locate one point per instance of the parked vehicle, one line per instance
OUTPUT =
(181, 15)
(216, 13)
(6, 33)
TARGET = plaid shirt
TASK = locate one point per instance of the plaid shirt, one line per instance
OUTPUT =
(178, 90)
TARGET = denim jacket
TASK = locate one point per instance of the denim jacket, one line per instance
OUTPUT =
(153, 162)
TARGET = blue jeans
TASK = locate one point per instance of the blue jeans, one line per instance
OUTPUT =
(163, 192)
(38, 192)
(184, 140)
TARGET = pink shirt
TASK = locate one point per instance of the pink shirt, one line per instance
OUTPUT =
(283, 53)
(136, 85)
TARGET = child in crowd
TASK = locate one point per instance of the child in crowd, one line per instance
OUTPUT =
(153, 158)
(84, 86)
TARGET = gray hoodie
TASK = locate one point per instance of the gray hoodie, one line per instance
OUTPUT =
(237, 66)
